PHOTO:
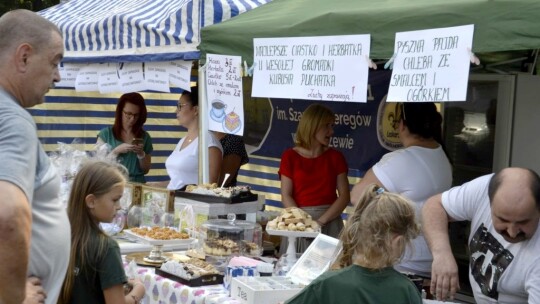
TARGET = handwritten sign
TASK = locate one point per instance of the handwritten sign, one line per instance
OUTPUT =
(126, 77)
(68, 74)
(431, 65)
(108, 78)
(156, 76)
(180, 73)
(87, 79)
(224, 92)
(331, 68)
(131, 77)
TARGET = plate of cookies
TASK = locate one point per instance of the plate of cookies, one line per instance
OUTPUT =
(159, 235)
(293, 221)
(192, 272)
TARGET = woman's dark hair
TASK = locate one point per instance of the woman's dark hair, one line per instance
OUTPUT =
(138, 100)
(423, 119)
(193, 95)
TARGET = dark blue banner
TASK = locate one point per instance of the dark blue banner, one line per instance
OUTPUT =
(356, 133)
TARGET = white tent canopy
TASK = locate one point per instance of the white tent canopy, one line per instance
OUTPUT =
(138, 30)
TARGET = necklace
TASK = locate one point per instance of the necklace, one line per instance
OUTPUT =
(191, 136)
(188, 139)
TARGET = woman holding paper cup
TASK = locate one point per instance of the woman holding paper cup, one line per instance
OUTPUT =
(418, 171)
(311, 172)
(130, 144)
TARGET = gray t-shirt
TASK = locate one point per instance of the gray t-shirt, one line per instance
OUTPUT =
(24, 163)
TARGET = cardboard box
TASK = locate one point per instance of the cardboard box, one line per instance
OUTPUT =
(271, 290)
(251, 290)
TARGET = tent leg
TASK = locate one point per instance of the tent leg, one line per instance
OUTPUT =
(204, 164)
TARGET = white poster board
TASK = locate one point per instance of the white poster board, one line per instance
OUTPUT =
(68, 74)
(431, 65)
(333, 68)
(108, 81)
(131, 77)
(156, 76)
(87, 79)
(224, 94)
(180, 74)
(126, 77)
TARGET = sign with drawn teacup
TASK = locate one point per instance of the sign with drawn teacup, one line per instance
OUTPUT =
(224, 94)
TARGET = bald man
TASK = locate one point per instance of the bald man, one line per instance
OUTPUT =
(504, 210)
(34, 228)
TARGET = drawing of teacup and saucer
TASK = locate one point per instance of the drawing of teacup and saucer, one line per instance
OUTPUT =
(217, 112)
(230, 121)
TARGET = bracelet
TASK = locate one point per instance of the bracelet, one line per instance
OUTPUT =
(141, 157)
(136, 299)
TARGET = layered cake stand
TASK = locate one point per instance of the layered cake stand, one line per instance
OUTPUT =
(291, 236)
(156, 254)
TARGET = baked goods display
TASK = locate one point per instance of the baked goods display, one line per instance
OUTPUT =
(227, 247)
(192, 272)
(190, 269)
(211, 193)
(160, 233)
(221, 247)
(201, 187)
(250, 248)
(214, 190)
(226, 237)
(196, 253)
(294, 219)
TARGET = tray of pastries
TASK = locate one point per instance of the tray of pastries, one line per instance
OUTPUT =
(225, 237)
(211, 193)
(293, 221)
(227, 247)
(159, 235)
(193, 272)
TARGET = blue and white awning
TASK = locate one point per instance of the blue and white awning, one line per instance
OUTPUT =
(139, 30)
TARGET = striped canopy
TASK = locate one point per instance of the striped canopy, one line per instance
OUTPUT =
(139, 30)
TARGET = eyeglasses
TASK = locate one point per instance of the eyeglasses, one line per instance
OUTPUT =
(179, 106)
(130, 115)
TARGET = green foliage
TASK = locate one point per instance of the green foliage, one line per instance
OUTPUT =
(33, 5)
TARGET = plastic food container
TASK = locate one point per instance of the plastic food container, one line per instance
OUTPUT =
(228, 237)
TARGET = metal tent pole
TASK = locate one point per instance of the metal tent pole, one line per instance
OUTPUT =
(204, 165)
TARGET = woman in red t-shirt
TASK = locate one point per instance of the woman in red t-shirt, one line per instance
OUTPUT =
(311, 172)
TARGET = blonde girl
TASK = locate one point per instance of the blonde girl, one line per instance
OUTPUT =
(374, 238)
(95, 272)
